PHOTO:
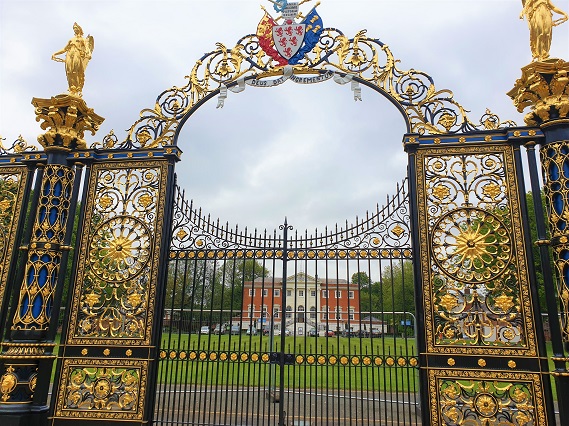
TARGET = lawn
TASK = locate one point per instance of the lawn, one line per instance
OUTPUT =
(364, 364)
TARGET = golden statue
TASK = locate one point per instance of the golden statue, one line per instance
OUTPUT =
(77, 55)
(539, 14)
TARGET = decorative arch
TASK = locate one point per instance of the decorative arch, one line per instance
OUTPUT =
(361, 60)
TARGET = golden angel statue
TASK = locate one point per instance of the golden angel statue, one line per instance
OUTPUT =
(78, 52)
(539, 14)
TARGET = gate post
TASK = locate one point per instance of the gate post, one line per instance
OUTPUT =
(544, 88)
(27, 349)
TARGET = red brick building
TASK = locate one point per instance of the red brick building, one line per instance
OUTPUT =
(311, 305)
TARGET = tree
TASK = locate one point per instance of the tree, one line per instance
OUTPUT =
(361, 279)
(393, 293)
(228, 292)
(204, 284)
(535, 249)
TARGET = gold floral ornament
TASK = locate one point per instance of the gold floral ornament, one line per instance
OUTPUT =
(486, 405)
(504, 302)
(78, 51)
(471, 245)
(449, 302)
(492, 190)
(121, 248)
(441, 192)
(105, 202)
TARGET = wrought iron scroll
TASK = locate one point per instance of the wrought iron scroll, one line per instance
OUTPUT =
(555, 160)
(13, 181)
(428, 109)
(482, 353)
(385, 233)
(478, 299)
(44, 255)
(107, 356)
(486, 398)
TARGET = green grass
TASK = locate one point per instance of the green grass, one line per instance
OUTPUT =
(293, 344)
(316, 362)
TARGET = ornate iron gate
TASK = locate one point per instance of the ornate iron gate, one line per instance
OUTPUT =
(483, 359)
(288, 328)
(274, 328)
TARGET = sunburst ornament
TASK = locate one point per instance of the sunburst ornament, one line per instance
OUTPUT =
(121, 248)
(471, 245)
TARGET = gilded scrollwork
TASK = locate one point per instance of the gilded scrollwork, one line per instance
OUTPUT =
(117, 270)
(486, 398)
(368, 60)
(470, 224)
(19, 146)
(13, 181)
(555, 160)
(102, 389)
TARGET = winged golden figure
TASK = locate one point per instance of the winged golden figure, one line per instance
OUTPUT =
(539, 14)
(77, 52)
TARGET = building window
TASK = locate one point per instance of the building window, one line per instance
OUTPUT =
(265, 292)
(275, 312)
(338, 313)
(300, 293)
(313, 312)
(289, 312)
(351, 294)
(325, 294)
(251, 292)
(277, 293)
(352, 311)
(325, 314)
(288, 293)
(312, 293)
(338, 294)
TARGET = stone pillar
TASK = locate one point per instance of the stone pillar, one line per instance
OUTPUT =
(544, 89)
(27, 357)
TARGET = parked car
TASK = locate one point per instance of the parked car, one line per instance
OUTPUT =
(330, 333)
(313, 333)
(235, 329)
(204, 329)
(251, 331)
(219, 329)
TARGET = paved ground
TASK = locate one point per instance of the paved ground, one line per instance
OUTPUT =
(254, 407)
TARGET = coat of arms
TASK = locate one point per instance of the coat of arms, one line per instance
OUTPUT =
(287, 43)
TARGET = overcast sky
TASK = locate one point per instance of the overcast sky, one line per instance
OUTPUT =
(307, 152)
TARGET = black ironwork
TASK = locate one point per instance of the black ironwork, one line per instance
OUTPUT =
(483, 347)
(273, 328)
(561, 380)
